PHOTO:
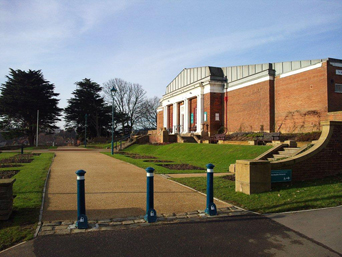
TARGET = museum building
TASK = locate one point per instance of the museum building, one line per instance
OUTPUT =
(282, 97)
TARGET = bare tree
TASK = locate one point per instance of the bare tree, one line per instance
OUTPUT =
(148, 113)
(128, 100)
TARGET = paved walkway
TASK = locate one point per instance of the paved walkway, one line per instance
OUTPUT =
(322, 225)
(114, 189)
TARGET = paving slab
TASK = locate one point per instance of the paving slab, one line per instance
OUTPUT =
(114, 189)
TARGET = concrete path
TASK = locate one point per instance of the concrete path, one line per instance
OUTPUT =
(114, 189)
(250, 235)
(322, 225)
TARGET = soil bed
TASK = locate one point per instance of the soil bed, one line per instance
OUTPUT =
(157, 161)
(230, 177)
(19, 158)
(141, 157)
(9, 165)
(137, 156)
(5, 174)
(180, 167)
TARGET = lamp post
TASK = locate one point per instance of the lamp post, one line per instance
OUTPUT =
(112, 91)
(85, 131)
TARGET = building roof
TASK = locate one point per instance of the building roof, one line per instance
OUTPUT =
(233, 73)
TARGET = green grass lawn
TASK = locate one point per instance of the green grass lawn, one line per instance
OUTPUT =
(7, 155)
(30, 148)
(283, 197)
(28, 189)
(195, 154)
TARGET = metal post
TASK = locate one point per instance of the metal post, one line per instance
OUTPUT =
(22, 149)
(120, 145)
(37, 136)
(82, 220)
(151, 214)
(113, 126)
(211, 207)
(85, 132)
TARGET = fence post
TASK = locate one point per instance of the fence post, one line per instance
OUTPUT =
(82, 220)
(211, 207)
(22, 149)
(151, 214)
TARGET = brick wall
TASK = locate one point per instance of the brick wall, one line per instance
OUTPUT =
(213, 103)
(193, 111)
(6, 198)
(335, 99)
(251, 108)
(327, 162)
(170, 116)
(301, 101)
(160, 120)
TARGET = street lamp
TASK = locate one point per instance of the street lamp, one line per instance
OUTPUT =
(85, 131)
(112, 91)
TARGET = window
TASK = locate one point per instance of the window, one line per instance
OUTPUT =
(338, 88)
(217, 117)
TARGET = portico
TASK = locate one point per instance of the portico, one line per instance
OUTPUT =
(183, 104)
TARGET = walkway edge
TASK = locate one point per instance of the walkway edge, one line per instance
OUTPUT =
(43, 199)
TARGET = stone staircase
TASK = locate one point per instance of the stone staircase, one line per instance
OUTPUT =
(285, 153)
(188, 139)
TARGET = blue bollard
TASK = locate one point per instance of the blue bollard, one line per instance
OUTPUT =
(82, 220)
(211, 207)
(151, 214)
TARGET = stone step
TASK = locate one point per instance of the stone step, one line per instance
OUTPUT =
(278, 156)
(291, 149)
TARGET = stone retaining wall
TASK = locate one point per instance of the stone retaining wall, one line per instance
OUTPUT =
(6, 198)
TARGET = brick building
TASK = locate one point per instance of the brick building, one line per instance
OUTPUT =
(286, 97)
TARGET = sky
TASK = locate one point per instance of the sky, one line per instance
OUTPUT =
(150, 42)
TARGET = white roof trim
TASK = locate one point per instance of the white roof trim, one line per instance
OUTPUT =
(249, 83)
(301, 70)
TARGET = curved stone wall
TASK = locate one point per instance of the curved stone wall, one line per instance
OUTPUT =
(321, 160)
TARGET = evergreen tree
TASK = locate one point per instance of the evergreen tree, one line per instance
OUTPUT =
(88, 103)
(22, 95)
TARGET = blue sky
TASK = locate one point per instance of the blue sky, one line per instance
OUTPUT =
(150, 42)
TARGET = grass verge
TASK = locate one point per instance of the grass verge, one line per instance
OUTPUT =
(30, 148)
(194, 154)
(283, 197)
(28, 189)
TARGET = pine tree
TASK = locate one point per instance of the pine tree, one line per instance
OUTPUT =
(87, 101)
(22, 95)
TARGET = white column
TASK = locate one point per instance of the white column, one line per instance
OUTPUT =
(199, 112)
(175, 120)
(186, 116)
(165, 116)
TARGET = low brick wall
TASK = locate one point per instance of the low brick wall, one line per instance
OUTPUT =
(154, 136)
(6, 198)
